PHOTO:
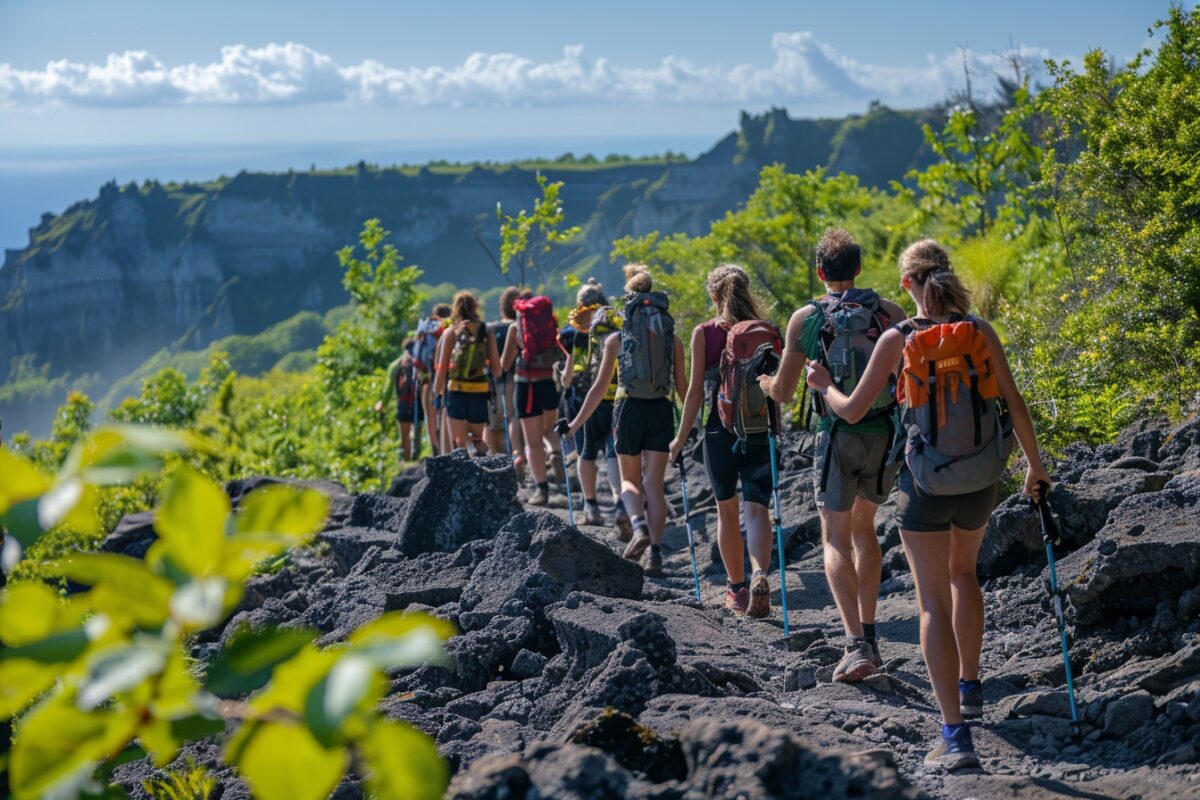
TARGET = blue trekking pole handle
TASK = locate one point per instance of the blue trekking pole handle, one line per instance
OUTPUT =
(687, 522)
(1050, 536)
(773, 412)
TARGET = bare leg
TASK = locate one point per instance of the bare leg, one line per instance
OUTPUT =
(631, 485)
(929, 558)
(458, 433)
(839, 567)
(656, 497)
(967, 599)
(534, 454)
(759, 537)
(729, 540)
(614, 479)
(406, 441)
(868, 558)
(478, 434)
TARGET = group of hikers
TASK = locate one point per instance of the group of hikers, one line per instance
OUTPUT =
(926, 404)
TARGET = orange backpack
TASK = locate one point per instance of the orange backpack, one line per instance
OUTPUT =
(959, 433)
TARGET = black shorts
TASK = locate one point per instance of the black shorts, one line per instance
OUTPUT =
(535, 399)
(643, 425)
(726, 467)
(404, 413)
(598, 433)
(469, 406)
(928, 513)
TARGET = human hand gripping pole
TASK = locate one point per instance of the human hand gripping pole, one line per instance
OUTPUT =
(1040, 505)
(562, 428)
(773, 410)
(687, 521)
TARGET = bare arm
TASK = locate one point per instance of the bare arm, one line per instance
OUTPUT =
(603, 377)
(443, 362)
(680, 376)
(1021, 420)
(511, 348)
(884, 361)
(695, 393)
(781, 387)
(568, 375)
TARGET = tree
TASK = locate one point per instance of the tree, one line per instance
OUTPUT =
(526, 238)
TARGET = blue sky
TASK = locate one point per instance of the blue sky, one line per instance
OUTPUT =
(132, 71)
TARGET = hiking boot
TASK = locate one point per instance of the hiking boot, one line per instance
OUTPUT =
(737, 600)
(954, 753)
(877, 659)
(652, 561)
(634, 550)
(539, 496)
(591, 514)
(557, 469)
(760, 596)
(621, 522)
(970, 699)
(857, 663)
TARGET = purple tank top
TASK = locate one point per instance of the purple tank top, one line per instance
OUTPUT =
(714, 342)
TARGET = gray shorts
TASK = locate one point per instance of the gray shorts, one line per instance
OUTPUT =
(935, 513)
(853, 470)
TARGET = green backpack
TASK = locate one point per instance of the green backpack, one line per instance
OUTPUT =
(468, 359)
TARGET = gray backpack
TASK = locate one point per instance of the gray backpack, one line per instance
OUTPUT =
(647, 346)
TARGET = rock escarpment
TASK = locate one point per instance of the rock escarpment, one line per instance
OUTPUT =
(577, 676)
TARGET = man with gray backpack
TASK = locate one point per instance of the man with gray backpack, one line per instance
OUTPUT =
(853, 470)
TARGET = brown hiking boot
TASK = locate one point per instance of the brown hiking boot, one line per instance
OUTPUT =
(760, 596)
(634, 550)
(652, 561)
(737, 601)
(858, 662)
(539, 496)
(622, 523)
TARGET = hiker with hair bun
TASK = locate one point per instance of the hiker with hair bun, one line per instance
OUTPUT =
(853, 468)
(733, 455)
(533, 349)
(960, 408)
(589, 324)
(648, 358)
(468, 361)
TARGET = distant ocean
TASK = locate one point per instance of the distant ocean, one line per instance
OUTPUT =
(38, 179)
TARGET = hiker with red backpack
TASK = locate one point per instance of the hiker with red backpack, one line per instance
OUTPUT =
(853, 467)
(648, 358)
(533, 348)
(468, 363)
(960, 410)
(595, 320)
(728, 354)
(404, 382)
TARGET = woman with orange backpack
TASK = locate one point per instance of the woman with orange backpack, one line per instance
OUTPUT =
(534, 350)
(728, 455)
(960, 407)
(468, 360)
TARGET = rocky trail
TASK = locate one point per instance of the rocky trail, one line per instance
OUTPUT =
(575, 675)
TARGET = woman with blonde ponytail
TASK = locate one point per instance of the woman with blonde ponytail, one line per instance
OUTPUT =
(729, 289)
(942, 529)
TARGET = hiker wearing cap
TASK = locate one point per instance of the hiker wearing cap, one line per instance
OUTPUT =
(960, 409)
(468, 363)
(648, 358)
(403, 381)
(502, 409)
(533, 349)
(736, 448)
(595, 320)
(853, 467)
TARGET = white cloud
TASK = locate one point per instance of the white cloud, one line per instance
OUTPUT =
(292, 74)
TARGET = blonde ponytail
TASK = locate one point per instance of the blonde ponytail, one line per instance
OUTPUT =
(927, 265)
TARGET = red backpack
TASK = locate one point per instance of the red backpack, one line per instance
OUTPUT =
(752, 348)
(406, 386)
(540, 350)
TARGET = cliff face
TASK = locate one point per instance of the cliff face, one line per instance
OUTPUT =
(111, 280)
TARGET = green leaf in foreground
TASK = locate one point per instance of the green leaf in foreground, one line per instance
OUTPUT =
(403, 763)
(248, 660)
(282, 761)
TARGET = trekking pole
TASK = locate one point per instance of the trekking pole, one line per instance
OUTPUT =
(774, 413)
(687, 521)
(1051, 537)
(567, 480)
(416, 435)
